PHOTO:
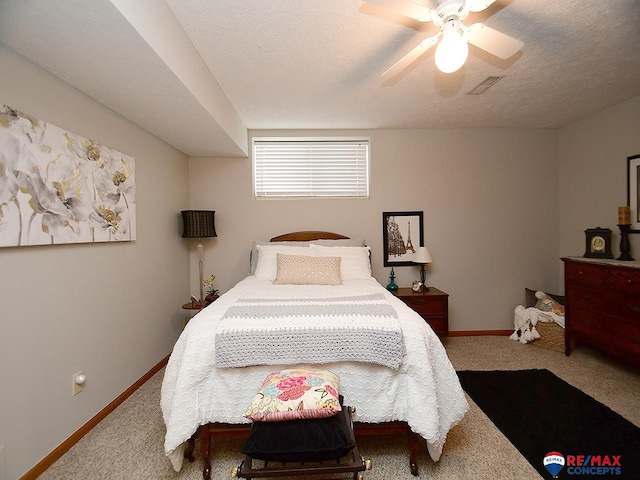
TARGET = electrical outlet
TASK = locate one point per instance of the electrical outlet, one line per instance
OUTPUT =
(77, 387)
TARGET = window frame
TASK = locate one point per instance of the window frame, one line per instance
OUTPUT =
(311, 139)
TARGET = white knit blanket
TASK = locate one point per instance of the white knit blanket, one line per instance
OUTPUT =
(262, 331)
(526, 319)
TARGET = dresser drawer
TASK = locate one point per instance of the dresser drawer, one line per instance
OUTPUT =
(618, 336)
(588, 322)
(587, 297)
(627, 280)
(584, 273)
(628, 338)
(623, 305)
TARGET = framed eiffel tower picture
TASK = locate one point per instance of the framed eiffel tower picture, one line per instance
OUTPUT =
(402, 233)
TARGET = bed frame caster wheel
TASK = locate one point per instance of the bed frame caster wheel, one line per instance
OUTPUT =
(234, 472)
(368, 464)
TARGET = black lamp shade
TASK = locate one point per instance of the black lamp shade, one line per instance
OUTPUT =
(198, 223)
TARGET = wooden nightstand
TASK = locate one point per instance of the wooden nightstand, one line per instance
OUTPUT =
(192, 308)
(432, 305)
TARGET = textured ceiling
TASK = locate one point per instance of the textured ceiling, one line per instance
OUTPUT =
(316, 65)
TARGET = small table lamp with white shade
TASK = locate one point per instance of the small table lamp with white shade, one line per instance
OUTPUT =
(422, 257)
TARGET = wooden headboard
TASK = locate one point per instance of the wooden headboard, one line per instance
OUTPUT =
(307, 236)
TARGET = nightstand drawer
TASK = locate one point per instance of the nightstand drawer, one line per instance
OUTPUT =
(440, 325)
(426, 305)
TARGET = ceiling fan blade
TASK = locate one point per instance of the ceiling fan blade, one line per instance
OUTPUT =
(493, 41)
(411, 57)
(407, 8)
(479, 5)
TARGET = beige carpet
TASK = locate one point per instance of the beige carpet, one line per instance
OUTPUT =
(128, 444)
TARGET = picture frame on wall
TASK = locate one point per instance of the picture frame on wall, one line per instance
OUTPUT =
(633, 193)
(57, 187)
(402, 233)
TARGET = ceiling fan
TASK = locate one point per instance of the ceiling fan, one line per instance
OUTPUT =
(452, 50)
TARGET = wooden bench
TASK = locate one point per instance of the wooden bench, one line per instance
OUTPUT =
(351, 463)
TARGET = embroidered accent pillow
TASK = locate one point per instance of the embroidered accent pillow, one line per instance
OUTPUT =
(294, 394)
(548, 304)
(307, 270)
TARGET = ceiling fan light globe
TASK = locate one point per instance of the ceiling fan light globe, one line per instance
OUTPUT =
(452, 52)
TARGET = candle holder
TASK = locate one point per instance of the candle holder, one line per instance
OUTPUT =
(625, 245)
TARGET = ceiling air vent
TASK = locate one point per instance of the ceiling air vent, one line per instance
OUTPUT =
(485, 85)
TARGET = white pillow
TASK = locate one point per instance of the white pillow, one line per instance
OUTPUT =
(343, 242)
(355, 260)
(267, 266)
(254, 252)
(306, 270)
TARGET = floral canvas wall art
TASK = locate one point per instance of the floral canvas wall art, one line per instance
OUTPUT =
(58, 187)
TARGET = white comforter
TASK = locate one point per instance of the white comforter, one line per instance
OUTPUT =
(424, 391)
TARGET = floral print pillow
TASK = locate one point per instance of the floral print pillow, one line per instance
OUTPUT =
(295, 394)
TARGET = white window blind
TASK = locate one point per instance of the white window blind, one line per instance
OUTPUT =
(311, 168)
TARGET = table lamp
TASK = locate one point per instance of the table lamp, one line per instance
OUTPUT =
(422, 257)
(199, 224)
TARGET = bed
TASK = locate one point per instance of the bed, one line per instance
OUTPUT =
(408, 386)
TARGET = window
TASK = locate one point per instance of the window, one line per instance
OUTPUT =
(295, 167)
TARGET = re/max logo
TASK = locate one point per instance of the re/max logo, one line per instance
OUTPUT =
(593, 460)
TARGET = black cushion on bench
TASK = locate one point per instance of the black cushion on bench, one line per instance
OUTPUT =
(311, 440)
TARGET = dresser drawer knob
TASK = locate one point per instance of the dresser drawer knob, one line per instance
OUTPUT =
(580, 272)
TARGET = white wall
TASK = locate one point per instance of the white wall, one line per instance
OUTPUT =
(593, 175)
(110, 310)
(490, 202)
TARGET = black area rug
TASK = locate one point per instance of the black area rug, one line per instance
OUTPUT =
(541, 414)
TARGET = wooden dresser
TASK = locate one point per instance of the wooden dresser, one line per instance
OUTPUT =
(603, 306)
